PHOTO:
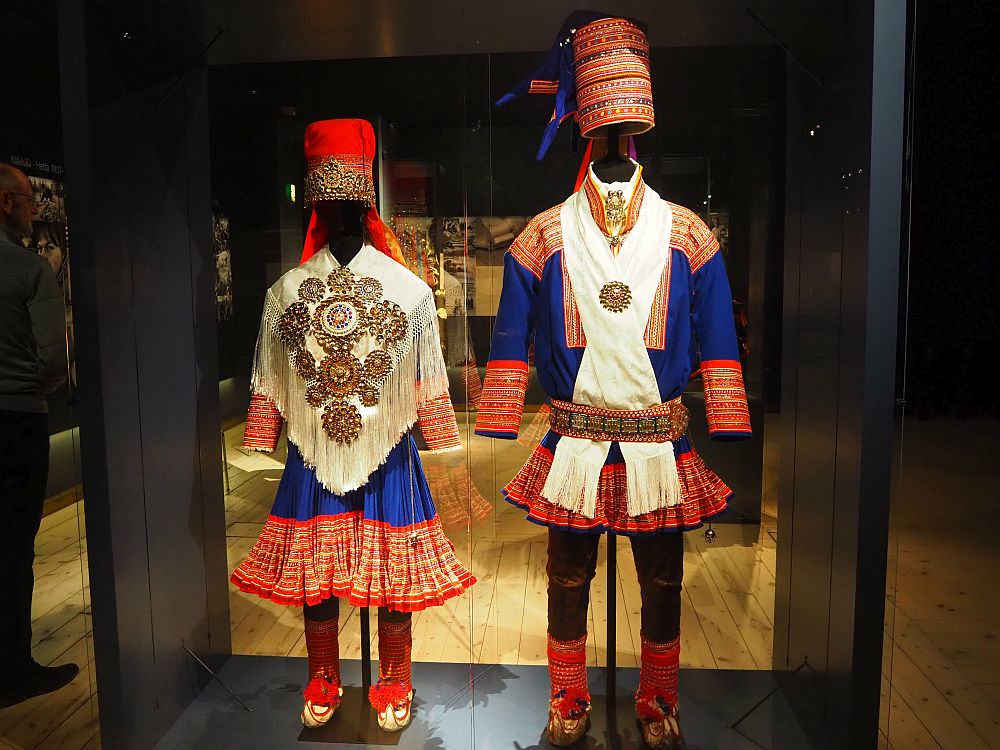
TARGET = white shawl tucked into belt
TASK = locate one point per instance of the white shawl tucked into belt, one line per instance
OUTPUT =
(615, 372)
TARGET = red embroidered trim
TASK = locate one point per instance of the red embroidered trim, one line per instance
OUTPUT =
(502, 404)
(703, 495)
(655, 335)
(725, 397)
(263, 424)
(539, 241)
(567, 662)
(370, 562)
(690, 235)
(657, 693)
(438, 424)
(473, 384)
(323, 649)
(395, 645)
(543, 87)
(575, 336)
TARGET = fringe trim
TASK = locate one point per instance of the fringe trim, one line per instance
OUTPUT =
(703, 495)
(572, 484)
(345, 467)
(652, 483)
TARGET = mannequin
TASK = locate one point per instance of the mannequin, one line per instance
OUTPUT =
(343, 220)
(614, 166)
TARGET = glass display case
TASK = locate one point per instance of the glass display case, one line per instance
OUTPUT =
(754, 285)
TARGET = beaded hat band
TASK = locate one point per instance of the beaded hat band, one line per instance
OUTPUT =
(339, 177)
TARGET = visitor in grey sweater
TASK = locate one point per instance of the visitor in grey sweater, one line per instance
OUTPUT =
(32, 365)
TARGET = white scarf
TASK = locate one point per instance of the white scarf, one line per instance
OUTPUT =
(615, 372)
(341, 467)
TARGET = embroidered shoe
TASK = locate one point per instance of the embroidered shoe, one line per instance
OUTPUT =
(322, 698)
(569, 717)
(392, 700)
(660, 724)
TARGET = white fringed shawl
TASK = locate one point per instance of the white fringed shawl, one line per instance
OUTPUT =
(418, 374)
(615, 372)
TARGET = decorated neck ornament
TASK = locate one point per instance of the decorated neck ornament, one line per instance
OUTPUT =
(336, 314)
(614, 219)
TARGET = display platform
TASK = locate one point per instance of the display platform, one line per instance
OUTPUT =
(484, 706)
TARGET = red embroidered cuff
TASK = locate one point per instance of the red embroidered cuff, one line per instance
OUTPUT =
(503, 399)
(438, 425)
(263, 424)
(725, 399)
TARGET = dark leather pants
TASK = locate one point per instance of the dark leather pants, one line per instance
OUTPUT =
(24, 467)
(572, 563)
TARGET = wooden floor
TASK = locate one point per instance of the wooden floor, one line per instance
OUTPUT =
(61, 632)
(941, 663)
(941, 685)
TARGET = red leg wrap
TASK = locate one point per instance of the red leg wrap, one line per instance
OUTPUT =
(323, 649)
(395, 645)
(568, 676)
(657, 693)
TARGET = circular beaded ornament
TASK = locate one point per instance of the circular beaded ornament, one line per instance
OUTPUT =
(340, 374)
(312, 290)
(337, 314)
(377, 365)
(293, 324)
(387, 323)
(342, 422)
(369, 290)
(305, 364)
(341, 281)
(317, 394)
(368, 394)
(615, 296)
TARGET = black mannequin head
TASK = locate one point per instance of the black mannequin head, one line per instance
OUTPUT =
(341, 217)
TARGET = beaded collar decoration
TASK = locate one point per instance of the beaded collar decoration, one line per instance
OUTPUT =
(336, 314)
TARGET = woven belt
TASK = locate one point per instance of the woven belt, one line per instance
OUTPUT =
(659, 424)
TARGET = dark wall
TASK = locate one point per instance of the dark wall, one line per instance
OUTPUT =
(952, 342)
(136, 129)
(843, 208)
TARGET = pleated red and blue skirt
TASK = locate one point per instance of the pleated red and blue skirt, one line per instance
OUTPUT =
(380, 545)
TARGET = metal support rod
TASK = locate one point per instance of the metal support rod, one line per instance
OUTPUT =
(366, 649)
(216, 677)
(612, 619)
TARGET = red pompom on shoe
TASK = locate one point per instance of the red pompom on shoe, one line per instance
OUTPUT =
(322, 697)
(571, 703)
(322, 692)
(392, 700)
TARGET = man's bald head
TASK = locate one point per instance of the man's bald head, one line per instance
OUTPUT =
(16, 209)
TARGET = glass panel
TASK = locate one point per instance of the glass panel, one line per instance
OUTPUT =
(60, 619)
(941, 655)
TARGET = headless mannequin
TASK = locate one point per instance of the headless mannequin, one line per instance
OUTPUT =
(343, 220)
(614, 166)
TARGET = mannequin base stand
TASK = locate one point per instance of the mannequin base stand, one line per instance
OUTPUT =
(355, 723)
